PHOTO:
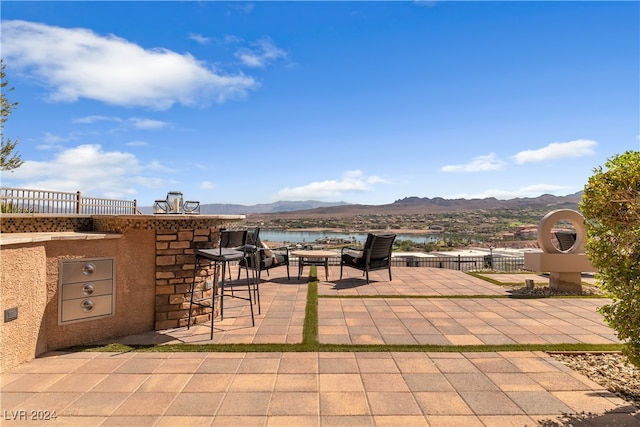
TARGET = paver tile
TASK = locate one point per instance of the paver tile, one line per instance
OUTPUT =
(96, 404)
(76, 383)
(293, 421)
(195, 404)
(454, 421)
(184, 421)
(400, 420)
(121, 382)
(340, 382)
(245, 403)
(538, 402)
(252, 382)
(384, 383)
(471, 381)
(442, 403)
(137, 420)
(294, 403)
(343, 403)
(392, 403)
(490, 403)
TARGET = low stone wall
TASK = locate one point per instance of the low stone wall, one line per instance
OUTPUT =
(175, 262)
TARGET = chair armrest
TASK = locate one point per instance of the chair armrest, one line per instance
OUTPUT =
(353, 252)
(264, 251)
(346, 248)
(248, 248)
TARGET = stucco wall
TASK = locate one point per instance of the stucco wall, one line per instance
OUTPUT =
(134, 255)
(36, 329)
(24, 338)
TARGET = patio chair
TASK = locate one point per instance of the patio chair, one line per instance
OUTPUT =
(266, 258)
(375, 255)
(243, 240)
(232, 248)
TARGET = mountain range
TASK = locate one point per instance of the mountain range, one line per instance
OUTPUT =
(234, 209)
(407, 205)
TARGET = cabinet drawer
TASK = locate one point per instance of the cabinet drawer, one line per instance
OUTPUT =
(87, 289)
(86, 269)
(87, 308)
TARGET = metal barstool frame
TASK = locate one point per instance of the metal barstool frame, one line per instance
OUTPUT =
(219, 256)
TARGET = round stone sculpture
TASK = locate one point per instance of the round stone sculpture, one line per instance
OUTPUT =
(549, 220)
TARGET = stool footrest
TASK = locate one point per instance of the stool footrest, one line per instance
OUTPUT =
(202, 302)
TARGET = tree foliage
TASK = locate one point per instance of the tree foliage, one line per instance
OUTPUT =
(611, 207)
(9, 158)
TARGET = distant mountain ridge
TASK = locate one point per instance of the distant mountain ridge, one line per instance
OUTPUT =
(571, 201)
(424, 205)
(264, 208)
(280, 206)
(407, 205)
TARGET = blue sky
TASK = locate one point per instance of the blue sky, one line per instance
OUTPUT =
(363, 102)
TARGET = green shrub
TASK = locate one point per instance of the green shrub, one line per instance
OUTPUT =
(611, 207)
(11, 208)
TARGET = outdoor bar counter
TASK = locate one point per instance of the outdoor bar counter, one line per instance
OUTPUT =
(121, 274)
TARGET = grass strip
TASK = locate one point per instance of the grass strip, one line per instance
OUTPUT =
(317, 347)
(310, 326)
(515, 296)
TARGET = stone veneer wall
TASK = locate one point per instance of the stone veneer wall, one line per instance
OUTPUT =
(177, 237)
(175, 264)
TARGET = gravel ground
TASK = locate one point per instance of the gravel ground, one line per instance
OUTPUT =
(546, 291)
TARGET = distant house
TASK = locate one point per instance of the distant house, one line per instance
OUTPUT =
(526, 232)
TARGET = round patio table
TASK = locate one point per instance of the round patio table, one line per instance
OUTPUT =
(307, 257)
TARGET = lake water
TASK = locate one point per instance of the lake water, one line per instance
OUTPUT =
(312, 236)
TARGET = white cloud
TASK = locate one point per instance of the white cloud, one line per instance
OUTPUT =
(230, 40)
(147, 124)
(94, 119)
(52, 142)
(77, 63)
(557, 150)
(199, 38)
(528, 191)
(50, 138)
(262, 53)
(351, 181)
(425, 3)
(135, 122)
(137, 144)
(207, 185)
(241, 7)
(490, 162)
(89, 169)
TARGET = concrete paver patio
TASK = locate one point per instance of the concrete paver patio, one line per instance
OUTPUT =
(378, 388)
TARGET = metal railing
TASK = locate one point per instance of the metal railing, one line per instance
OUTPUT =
(21, 200)
(462, 263)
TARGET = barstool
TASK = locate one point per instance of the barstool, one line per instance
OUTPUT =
(221, 256)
